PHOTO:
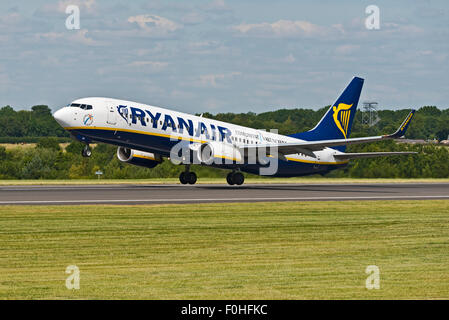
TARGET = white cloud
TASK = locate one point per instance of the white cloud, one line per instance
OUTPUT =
(79, 37)
(155, 65)
(285, 28)
(178, 94)
(212, 80)
(396, 28)
(153, 23)
(49, 36)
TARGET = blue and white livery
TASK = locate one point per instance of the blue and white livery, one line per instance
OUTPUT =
(146, 135)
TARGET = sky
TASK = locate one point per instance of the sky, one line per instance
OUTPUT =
(223, 55)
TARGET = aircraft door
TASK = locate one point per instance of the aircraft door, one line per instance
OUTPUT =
(112, 114)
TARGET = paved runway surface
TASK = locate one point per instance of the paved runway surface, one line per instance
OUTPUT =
(209, 193)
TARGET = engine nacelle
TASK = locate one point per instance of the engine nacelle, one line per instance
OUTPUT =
(138, 158)
(216, 152)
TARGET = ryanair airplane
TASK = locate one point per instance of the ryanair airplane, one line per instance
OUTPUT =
(145, 135)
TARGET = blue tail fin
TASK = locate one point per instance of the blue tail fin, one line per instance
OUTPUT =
(337, 122)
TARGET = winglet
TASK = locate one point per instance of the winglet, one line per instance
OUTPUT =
(403, 128)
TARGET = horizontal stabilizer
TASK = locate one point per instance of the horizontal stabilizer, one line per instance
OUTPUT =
(348, 156)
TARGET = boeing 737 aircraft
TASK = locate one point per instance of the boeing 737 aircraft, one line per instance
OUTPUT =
(145, 135)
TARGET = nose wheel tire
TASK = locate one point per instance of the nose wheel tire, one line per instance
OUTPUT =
(235, 178)
(86, 152)
(187, 178)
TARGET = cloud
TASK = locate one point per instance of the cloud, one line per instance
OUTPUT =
(285, 29)
(78, 37)
(153, 23)
(212, 80)
(131, 68)
(148, 65)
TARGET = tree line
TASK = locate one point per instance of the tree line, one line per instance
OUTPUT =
(429, 122)
(48, 160)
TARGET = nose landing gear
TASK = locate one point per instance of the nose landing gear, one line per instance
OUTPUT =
(86, 152)
(235, 177)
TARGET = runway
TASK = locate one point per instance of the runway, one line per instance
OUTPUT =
(210, 193)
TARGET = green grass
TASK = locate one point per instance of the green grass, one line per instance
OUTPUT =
(307, 250)
(250, 179)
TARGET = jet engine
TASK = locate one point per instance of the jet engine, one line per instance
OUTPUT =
(217, 152)
(138, 158)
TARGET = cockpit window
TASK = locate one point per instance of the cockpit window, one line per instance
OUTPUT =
(82, 106)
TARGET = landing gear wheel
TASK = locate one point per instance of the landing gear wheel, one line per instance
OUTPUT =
(86, 152)
(238, 178)
(182, 177)
(229, 178)
(187, 177)
(192, 178)
(235, 178)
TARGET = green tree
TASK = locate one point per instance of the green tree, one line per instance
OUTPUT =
(49, 143)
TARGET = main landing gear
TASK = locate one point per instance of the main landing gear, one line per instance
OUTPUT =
(86, 152)
(235, 177)
(187, 177)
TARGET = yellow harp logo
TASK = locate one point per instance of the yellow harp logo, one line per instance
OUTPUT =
(342, 114)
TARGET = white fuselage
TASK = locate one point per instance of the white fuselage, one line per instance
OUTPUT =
(100, 118)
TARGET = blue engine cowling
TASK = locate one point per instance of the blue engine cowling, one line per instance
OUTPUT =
(138, 158)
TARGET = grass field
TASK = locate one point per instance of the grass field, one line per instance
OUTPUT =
(306, 250)
(250, 179)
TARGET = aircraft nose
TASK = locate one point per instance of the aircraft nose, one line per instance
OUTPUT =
(62, 117)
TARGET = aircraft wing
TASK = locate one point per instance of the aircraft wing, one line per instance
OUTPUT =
(307, 147)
